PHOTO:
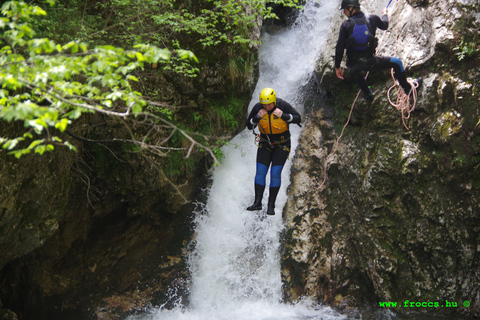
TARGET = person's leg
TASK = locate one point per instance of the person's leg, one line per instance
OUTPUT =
(358, 70)
(399, 70)
(362, 83)
(264, 157)
(279, 158)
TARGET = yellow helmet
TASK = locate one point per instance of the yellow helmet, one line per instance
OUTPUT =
(268, 96)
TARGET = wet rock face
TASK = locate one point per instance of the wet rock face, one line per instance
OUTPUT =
(286, 17)
(25, 186)
(418, 3)
(7, 315)
(399, 216)
(115, 246)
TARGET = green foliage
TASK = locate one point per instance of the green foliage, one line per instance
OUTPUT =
(84, 57)
(196, 25)
(227, 113)
(221, 21)
(47, 85)
(466, 49)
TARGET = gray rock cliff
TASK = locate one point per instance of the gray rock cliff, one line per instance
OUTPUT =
(399, 215)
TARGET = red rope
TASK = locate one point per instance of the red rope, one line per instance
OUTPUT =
(403, 100)
(338, 141)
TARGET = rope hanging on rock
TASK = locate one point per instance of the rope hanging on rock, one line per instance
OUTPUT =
(402, 103)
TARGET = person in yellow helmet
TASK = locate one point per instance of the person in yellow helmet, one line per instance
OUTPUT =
(273, 116)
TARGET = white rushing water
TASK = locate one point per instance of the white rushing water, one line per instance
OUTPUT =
(235, 264)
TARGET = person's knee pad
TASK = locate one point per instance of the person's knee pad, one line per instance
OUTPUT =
(261, 174)
(398, 62)
(276, 176)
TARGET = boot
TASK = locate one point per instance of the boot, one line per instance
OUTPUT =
(272, 197)
(368, 95)
(402, 79)
(257, 204)
(271, 208)
(419, 82)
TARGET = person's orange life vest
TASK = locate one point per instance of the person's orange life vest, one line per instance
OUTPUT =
(271, 124)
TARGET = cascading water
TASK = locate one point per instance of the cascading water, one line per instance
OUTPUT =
(235, 265)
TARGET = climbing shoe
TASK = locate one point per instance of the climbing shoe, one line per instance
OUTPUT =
(420, 82)
(271, 211)
(255, 206)
(368, 95)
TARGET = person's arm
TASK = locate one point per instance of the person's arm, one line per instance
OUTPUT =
(340, 48)
(254, 117)
(380, 23)
(289, 114)
(339, 73)
(341, 44)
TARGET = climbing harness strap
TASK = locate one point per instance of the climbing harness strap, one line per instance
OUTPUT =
(271, 145)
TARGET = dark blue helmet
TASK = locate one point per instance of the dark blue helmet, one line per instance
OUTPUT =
(350, 3)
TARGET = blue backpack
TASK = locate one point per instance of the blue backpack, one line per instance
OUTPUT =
(362, 39)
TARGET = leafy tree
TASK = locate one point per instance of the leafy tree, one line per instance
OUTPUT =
(47, 85)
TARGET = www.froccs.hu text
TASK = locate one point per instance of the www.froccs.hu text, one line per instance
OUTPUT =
(414, 304)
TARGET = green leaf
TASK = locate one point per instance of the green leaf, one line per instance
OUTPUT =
(62, 125)
(37, 125)
(140, 56)
(19, 153)
(35, 143)
(133, 78)
(70, 146)
(10, 144)
(137, 108)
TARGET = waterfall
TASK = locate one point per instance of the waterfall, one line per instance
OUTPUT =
(235, 263)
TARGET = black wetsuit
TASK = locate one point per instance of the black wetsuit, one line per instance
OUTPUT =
(273, 149)
(360, 62)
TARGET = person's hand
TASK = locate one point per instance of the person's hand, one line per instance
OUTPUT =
(278, 112)
(262, 112)
(339, 73)
(385, 12)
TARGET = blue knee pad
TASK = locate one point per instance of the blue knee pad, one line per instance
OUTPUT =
(261, 174)
(399, 62)
(276, 176)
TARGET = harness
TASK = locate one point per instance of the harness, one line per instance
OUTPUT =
(361, 43)
(269, 144)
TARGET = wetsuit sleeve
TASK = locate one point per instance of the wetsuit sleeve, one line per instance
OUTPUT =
(253, 117)
(290, 115)
(377, 22)
(341, 43)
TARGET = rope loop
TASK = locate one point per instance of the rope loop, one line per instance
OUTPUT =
(402, 103)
